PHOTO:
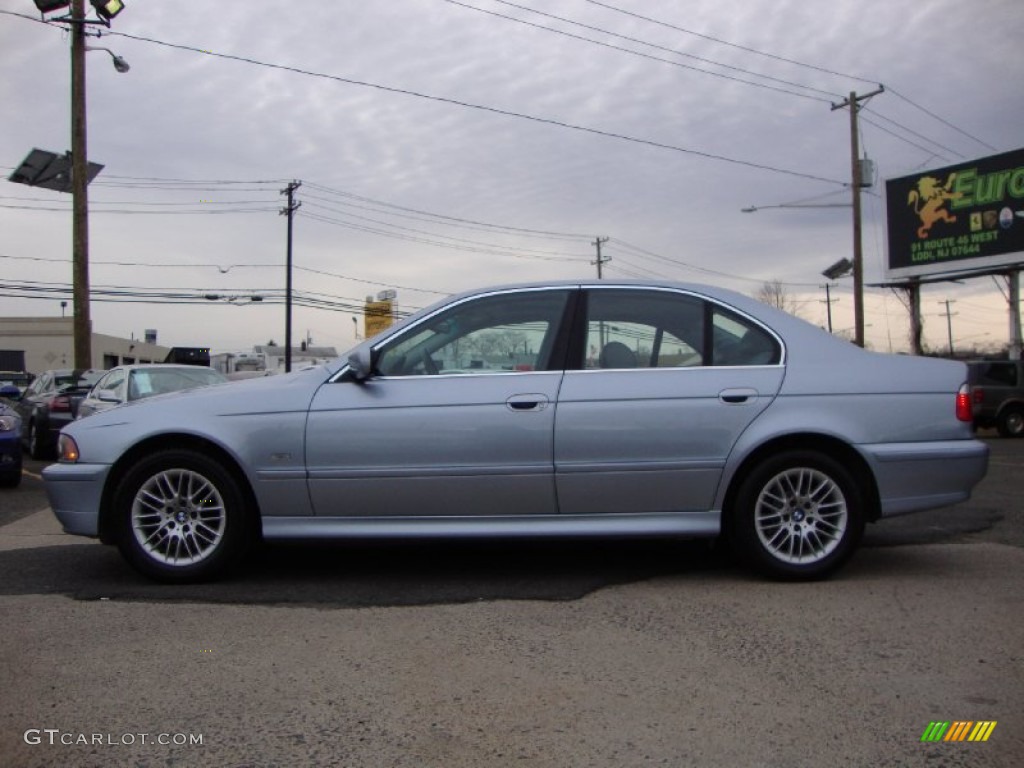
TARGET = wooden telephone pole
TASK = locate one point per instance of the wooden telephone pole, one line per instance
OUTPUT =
(853, 102)
(289, 211)
(600, 260)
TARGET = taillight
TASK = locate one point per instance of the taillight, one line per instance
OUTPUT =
(964, 410)
(60, 403)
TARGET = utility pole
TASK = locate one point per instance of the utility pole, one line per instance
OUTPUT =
(600, 261)
(828, 303)
(1013, 283)
(853, 102)
(289, 211)
(82, 323)
(949, 322)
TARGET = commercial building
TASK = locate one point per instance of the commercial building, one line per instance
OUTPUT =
(48, 342)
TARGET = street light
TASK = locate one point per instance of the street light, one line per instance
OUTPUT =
(105, 10)
(754, 208)
(119, 63)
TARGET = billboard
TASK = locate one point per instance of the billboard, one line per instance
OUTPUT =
(959, 218)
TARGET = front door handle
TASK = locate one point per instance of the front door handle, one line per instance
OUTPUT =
(737, 396)
(527, 402)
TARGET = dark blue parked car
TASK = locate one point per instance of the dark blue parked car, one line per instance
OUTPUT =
(10, 439)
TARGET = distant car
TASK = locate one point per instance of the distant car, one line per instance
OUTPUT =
(997, 391)
(49, 403)
(128, 383)
(10, 444)
(20, 379)
(571, 409)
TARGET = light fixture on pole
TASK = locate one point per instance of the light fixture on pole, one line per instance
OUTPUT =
(48, 6)
(756, 208)
(79, 173)
(841, 268)
(119, 63)
(107, 9)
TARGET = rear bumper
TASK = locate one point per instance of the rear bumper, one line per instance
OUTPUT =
(74, 492)
(913, 477)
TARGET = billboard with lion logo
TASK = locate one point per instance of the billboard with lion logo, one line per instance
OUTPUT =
(964, 217)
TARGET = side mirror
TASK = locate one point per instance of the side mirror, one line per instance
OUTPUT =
(107, 396)
(360, 364)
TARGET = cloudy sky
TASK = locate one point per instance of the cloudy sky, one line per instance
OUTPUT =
(446, 145)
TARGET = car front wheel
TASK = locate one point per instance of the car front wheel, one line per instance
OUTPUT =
(798, 515)
(180, 517)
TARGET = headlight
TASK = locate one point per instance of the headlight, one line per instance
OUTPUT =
(7, 424)
(67, 449)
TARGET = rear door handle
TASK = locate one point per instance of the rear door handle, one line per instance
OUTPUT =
(527, 402)
(737, 396)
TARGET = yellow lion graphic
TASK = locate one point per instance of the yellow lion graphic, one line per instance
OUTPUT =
(933, 196)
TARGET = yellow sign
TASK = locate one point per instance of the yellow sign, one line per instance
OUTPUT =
(377, 316)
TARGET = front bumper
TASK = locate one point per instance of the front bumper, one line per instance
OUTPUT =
(913, 477)
(75, 492)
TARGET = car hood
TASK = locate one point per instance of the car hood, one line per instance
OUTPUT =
(190, 408)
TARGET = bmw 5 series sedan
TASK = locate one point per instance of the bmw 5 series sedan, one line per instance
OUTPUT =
(576, 409)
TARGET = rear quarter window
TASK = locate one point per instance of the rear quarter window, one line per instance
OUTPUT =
(995, 374)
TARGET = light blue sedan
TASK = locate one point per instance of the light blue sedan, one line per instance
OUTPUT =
(570, 409)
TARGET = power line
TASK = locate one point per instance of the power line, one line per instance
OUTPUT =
(797, 63)
(945, 122)
(446, 218)
(730, 44)
(649, 44)
(524, 251)
(487, 250)
(483, 108)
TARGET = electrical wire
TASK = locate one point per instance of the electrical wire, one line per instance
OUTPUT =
(486, 109)
(651, 45)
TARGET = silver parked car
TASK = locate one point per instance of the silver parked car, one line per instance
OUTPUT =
(582, 409)
(126, 383)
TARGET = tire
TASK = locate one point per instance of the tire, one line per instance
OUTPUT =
(180, 517)
(1010, 422)
(10, 479)
(798, 516)
(37, 447)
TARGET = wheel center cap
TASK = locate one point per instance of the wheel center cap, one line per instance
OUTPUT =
(181, 516)
(798, 516)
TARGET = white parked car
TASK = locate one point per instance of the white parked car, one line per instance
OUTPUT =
(127, 383)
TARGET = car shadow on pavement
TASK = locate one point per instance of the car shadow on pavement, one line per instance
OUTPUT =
(377, 574)
(930, 527)
(364, 574)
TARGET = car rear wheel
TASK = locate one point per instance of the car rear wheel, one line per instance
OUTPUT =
(1011, 422)
(180, 517)
(798, 515)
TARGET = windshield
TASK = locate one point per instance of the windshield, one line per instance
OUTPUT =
(77, 379)
(147, 383)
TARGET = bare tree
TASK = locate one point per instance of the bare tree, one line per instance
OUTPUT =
(774, 294)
